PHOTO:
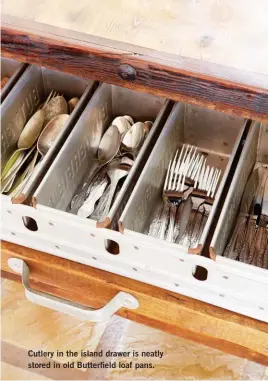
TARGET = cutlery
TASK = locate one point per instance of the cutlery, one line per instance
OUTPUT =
(122, 123)
(240, 238)
(95, 194)
(134, 136)
(260, 219)
(56, 105)
(188, 176)
(115, 176)
(107, 150)
(50, 132)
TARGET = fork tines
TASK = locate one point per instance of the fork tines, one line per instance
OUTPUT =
(189, 168)
(182, 170)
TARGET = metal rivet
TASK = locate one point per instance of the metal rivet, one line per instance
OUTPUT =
(225, 277)
(13, 233)
(222, 295)
(182, 260)
(127, 72)
(9, 211)
(94, 258)
(261, 308)
(57, 247)
(92, 235)
(136, 247)
(177, 285)
(134, 269)
(51, 224)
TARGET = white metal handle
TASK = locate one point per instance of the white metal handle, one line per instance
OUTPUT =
(122, 299)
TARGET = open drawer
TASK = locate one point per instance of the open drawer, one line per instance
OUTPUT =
(147, 259)
(158, 308)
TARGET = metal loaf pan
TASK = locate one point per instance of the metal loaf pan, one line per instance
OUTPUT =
(29, 92)
(255, 150)
(213, 132)
(249, 283)
(77, 157)
(12, 69)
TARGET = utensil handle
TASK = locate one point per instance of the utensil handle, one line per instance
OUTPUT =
(81, 195)
(261, 241)
(172, 216)
(251, 239)
(121, 300)
(185, 238)
(195, 229)
(164, 218)
(110, 198)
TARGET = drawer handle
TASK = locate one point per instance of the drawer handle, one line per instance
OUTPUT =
(122, 299)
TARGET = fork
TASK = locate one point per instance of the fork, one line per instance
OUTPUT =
(202, 195)
(180, 176)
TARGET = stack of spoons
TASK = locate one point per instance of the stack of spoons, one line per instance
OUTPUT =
(36, 138)
(116, 154)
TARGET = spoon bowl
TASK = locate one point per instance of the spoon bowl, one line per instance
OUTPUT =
(122, 124)
(31, 130)
(134, 137)
(56, 106)
(50, 133)
(109, 145)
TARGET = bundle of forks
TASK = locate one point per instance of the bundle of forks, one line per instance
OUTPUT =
(249, 238)
(188, 194)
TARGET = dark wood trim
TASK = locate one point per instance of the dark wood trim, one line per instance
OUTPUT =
(138, 71)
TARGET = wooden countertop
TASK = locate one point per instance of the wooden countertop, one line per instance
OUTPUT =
(213, 53)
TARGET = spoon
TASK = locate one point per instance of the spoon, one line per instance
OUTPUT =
(56, 106)
(122, 124)
(133, 137)
(109, 145)
(108, 148)
(127, 117)
(31, 130)
(115, 175)
(88, 206)
(50, 132)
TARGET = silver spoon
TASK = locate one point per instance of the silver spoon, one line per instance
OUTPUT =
(108, 148)
(50, 132)
(115, 175)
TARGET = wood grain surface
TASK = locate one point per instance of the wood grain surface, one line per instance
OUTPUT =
(140, 72)
(169, 311)
(226, 32)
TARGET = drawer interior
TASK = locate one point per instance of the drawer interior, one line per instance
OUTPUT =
(214, 133)
(78, 157)
(255, 152)
(30, 91)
